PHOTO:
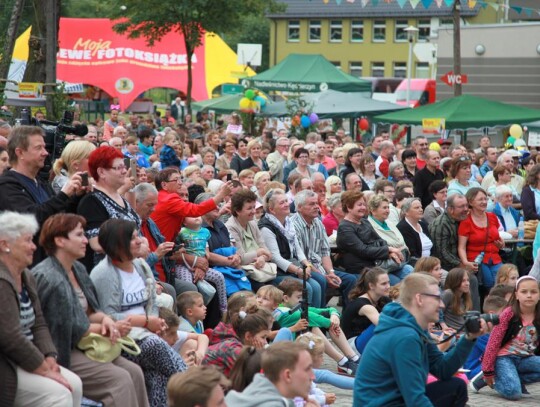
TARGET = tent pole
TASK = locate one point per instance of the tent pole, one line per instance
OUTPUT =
(409, 132)
(352, 129)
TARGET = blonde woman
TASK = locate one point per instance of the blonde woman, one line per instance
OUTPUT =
(74, 158)
(254, 160)
(261, 180)
(332, 185)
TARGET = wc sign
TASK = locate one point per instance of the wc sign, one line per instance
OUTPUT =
(451, 79)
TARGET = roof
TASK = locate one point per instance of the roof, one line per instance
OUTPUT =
(318, 9)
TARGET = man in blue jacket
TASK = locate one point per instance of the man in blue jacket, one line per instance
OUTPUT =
(395, 364)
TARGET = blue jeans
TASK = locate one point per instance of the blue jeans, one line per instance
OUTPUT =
(489, 273)
(313, 287)
(511, 371)
(362, 340)
(284, 335)
(398, 275)
(333, 379)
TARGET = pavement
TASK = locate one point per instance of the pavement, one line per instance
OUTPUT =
(485, 398)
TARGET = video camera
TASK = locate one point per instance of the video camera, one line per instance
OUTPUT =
(472, 320)
(55, 136)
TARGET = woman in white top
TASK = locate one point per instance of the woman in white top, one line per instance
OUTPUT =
(415, 230)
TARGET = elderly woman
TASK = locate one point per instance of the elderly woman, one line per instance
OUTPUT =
(301, 158)
(126, 289)
(229, 150)
(279, 235)
(414, 230)
(244, 232)
(106, 166)
(254, 160)
(439, 191)
(460, 171)
(28, 368)
(478, 235)
(530, 195)
(261, 180)
(508, 215)
(74, 158)
(71, 310)
(396, 171)
(359, 243)
(208, 155)
(335, 214)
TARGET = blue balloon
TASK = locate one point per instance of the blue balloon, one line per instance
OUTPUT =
(305, 122)
(260, 100)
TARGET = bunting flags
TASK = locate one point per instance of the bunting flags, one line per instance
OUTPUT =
(471, 4)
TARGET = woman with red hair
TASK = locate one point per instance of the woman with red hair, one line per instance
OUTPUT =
(107, 168)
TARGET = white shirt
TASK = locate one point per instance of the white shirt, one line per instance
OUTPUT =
(134, 293)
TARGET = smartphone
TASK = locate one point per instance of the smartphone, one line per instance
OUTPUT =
(133, 167)
(84, 178)
(229, 177)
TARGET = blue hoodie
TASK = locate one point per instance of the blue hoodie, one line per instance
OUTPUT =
(394, 366)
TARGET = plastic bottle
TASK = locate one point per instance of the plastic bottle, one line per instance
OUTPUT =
(521, 231)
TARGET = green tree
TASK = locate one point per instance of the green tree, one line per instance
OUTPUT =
(191, 18)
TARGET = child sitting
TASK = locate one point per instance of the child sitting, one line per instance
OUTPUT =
(190, 345)
(192, 312)
(315, 346)
(167, 155)
(456, 298)
(251, 328)
(224, 330)
(507, 274)
(195, 239)
(318, 318)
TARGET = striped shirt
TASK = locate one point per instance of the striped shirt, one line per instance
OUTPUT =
(313, 239)
(26, 314)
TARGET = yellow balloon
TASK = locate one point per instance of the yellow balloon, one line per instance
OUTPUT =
(516, 131)
(435, 146)
(245, 103)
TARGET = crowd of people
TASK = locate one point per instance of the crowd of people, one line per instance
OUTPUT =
(215, 254)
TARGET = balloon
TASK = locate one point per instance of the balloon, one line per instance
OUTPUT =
(435, 146)
(260, 100)
(516, 131)
(250, 94)
(313, 118)
(253, 105)
(363, 124)
(244, 103)
(510, 140)
(305, 122)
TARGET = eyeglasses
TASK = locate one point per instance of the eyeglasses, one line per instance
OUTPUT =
(437, 296)
(119, 167)
(303, 156)
(464, 158)
(389, 191)
(179, 180)
(284, 145)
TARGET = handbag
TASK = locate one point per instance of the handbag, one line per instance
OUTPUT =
(100, 348)
(267, 273)
(390, 265)
(207, 290)
(530, 228)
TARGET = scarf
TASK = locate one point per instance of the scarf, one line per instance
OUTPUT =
(288, 230)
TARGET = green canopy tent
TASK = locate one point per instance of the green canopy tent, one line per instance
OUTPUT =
(332, 104)
(222, 105)
(464, 112)
(303, 73)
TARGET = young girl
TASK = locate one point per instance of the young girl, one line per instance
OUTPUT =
(507, 274)
(315, 346)
(250, 327)
(456, 298)
(224, 330)
(510, 359)
(367, 300)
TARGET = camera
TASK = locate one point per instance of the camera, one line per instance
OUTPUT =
(472, 320)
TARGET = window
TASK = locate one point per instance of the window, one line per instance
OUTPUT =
(337, 64)
(293, 31)
(357, 31)
(400, 69)
(315, 31)
(379, 31)
(400, 33)
(355, 69)
(422, 70)
(377, 69)
(424, 30)
(336, 31)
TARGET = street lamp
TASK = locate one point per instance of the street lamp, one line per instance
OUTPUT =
(411, 37)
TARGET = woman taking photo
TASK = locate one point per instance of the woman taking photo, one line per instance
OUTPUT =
(126, 289)
(414, 230)
(368, 298)
(74, 159)
(478, 235)
(460, 171)
(359, 244)
(107, 168)
(71, 310)
(511, 357)
(279, 236)
(254, 160)
(28, 368)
